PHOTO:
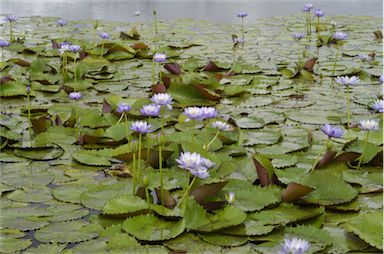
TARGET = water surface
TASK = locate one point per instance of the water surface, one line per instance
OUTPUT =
(215, 10)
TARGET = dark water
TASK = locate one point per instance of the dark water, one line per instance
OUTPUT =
(215, 10)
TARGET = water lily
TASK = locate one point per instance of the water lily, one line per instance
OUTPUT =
(160, 57)
(196, 165)
(294, 246)
(208, 112)
(75, 96)
(307, 9)
(10, 18)
(298, 36)
(230, 197)
(364, 57)
(366, 125)
(331, 131)
(348, 82)
(151, 110)
(319, 13)
(378, 105)
(141, 127)
(123, 108)
(74, 48)
(369, 125)
(61, 22)
(381, 79)
(340, 36)
(104, 35)
(137, 13)
(162, 99)
(242, 15)
(3, 44)
(222, 126)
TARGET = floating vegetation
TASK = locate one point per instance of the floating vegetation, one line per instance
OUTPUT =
(180, 136)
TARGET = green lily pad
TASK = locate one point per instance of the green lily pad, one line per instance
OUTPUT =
(150, 228)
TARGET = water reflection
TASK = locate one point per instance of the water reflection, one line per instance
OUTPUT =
(216, 10)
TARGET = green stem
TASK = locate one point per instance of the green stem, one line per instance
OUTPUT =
(298, 57)
(94, 37)
(318, 29)
(126, 126)
(147, 196)
(187, 190)
(334, 64)
(10, 32)
(214, 138)
(121, 118)
(318, 158)
(61, 31)
(161, 161)
(148, 150)
(134, 172)
(74, 69)
(242, 28)
(160, 76)
(2, 54)
(362, 152)
(309, 23)
(153, 71)
(76, 125)
(139, 161)
(348, 107)
(29, 115)
(155, 24)
(102, 48)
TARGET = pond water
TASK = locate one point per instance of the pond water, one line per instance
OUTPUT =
(215, 10)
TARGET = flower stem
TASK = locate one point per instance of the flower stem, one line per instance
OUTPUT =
(298, 57)
(187, 190)
(160, 76)
(334, 64)
(74, 69)
(161, 161)
(318, 158)
(94, 37)
(348, 107)
(126, 125)
(139, 160)
(10, 32)
(318, 29)
(153, 72)
(29, 115)
(61, 31)
(242, 28)
(309, 23)
(362, 152)
(214, 138)
(76, 125)
(2, 54)
(102, 48)
(134, 172)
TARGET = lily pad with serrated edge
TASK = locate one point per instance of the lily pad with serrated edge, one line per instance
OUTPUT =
(150, 228)
(330, 189)
(68, 232)
(124, 204)
(368, 226)
(251, 198)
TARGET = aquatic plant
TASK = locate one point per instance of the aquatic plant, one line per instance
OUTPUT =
(294, 246)
(348, 82)
(196, 165)
(298, 37)
(318, 14)
(339, 37)
(378, 105)
(61, 23)
(76, 96)
(242, 15)
(307, 10)
(74, 49)
(10, 18)
(3, 44)
(104, 36)
(366, 125)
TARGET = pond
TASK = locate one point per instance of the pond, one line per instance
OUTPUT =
(177, 135)
(215, 10)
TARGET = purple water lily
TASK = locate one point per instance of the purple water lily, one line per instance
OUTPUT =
(123, 107)
(151, 110)
(75, 95)
(162, 99)
(141, 127)
(331, 131)
(160, 58)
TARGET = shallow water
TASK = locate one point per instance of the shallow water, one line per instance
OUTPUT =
(215, 10)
